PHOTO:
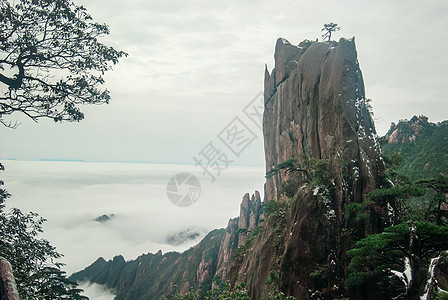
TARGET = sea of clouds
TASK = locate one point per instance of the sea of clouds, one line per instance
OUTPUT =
(70, 195)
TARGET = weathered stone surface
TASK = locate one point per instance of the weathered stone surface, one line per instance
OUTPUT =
(315, 108)
(228, 245)
(250, 211)
(319, 111)
(151, 276)
(406, 131)
(237, 232)
(441, 272)
(204, 269)
(8, 289)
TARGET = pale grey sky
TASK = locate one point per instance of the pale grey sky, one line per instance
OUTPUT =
(194, 65)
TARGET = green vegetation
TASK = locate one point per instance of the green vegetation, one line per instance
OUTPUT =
(424, 155)
(396, 262)
(275, 212)
(3, 193)
(51, 63)
(34, 261)
(274, 294)
(241, 251)
(276, 209)
(315, 172)
(441, 296)
(400, 248)
(168, 271)
(357, 214)
(226, 292)
(438, 187)
(287, 166)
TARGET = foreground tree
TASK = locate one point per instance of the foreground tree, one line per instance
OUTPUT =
(51, 60)
(34, 261)
(328, 30)
(3, 193)
(399, 260)
(437, 210)
(224, 291)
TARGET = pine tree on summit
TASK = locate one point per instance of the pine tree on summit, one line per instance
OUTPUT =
(329, 28)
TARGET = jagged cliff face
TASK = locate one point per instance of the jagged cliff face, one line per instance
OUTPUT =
(315, 108)
(152, 276)
(237, 232)
(406, 131)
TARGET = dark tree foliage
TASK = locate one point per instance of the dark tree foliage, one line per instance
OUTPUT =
(397, 260)
(328, 30)
(3, 193)
(437, 210)
(51, 60)
(396, 264)
(224, 291)
(38, 275)
(314, 171)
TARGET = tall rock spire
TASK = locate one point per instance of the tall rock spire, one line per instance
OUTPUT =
(315, 106)
(315, 110)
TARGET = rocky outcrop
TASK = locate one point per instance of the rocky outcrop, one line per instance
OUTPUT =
(250, 211)
(316, 112)
(8, 289)
(228, 244)
(318, 109)
(414, 137)
(406, 131)
(237, 232)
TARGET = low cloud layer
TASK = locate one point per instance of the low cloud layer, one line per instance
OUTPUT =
(96, 292)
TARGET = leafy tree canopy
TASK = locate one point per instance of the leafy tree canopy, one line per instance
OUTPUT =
(226, 292)
(397, 259)
(51, 60)
(397, 263)
(3, 193)
(34, 261)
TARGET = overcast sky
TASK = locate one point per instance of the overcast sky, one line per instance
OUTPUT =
(194, 65)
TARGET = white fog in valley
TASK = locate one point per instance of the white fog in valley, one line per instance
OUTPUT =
(70, 195)
(96, 291)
